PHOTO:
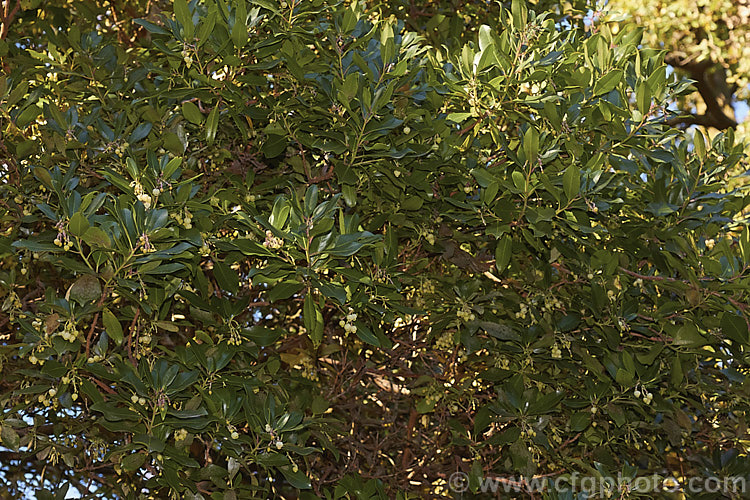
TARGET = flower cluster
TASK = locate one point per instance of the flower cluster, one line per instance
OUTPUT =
(465, 314)
(643, 394)
(180, 434)
(46, 397)
(233, 431)
(348, 324)
(308, 369)
(272, 241)
(187, 57)
(277, 442)
(145, 243)
(70, 332)
(66, 380)
(185, 218)
(138, 400)
(445, 341)
(502, 362)
(524, 310)
(556, 351)
(552, 304)
(140, 194)
(62, 239)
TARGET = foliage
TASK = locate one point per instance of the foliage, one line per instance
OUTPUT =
(293, 248)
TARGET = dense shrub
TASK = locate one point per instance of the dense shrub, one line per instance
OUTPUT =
(305, 248)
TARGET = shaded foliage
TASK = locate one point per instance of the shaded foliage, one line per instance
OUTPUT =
(303, 248)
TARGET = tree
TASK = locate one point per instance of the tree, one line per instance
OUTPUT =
(708, 42)
(292, 249)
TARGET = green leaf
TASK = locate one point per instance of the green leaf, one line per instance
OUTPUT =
(608, 82)
(313, 319)
(676, 373)
(283, 290)
(263, 336)
(96, 238)
(503, 253)
(531, 144)
(212, 124)
(643, 97)
(227, 277)
(296, 479)
(572, 181)
(133, 461)
(485, 37)
(114, 413)
(579, 421)
(112, 325)
(191, 112)
(151, 27)
(545, 403)
(185, 18)
(519, 12)
(365, 334)
(700, 144)
(9, 437)
(688, 335)
(78, 224)
(85, 289)
(239, 30)
(274, 145)
(734, 327)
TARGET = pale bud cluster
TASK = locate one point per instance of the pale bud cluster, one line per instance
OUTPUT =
(140, 194)
(46, 398)
(185, 218)
(138, 400)
(276, 440)
(272, 241)
(348, 324)
(233, 431)
(445, 341)
(556, 351)
(528, 433)
(502, 362)
(552, 304)
(427, 234)
(524, 310)
(308, 369)
(145, 243)
(70, 332)
(465, 314)
(180, 434)
(642, 393)
(187, 57)
(62, 239)
(710, 243)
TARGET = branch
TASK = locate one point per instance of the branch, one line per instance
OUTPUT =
(703, 120)
(6, 17)
(715, 116)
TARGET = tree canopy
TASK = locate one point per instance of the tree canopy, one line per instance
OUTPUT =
(313, 249)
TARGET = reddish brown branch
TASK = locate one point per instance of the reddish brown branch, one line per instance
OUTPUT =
(7, 17)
